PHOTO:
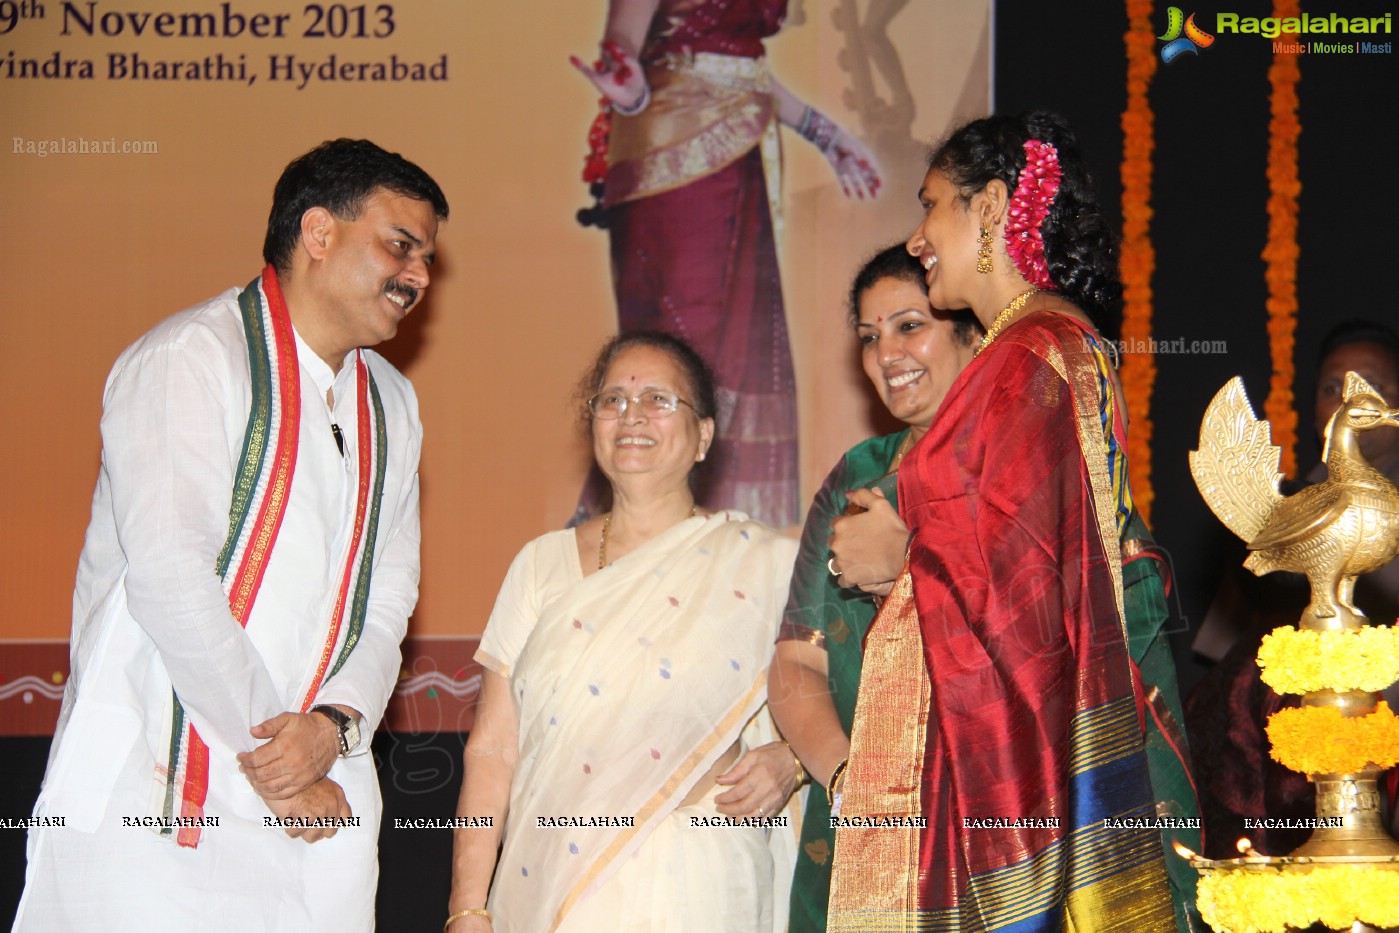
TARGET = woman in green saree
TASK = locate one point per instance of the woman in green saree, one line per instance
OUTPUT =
(911, 354)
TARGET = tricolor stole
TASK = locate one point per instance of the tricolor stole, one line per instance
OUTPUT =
(261, 490)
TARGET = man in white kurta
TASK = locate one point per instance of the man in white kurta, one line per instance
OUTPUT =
(152, 620)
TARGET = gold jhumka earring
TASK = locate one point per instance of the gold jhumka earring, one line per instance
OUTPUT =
(983, 252)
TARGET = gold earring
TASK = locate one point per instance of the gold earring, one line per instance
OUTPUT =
(983, 252)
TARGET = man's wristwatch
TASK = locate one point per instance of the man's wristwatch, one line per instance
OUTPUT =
(346, 726)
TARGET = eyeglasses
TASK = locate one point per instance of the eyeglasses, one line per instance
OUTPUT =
(609, 404)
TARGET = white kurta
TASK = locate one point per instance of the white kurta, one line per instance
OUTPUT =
(150, 613)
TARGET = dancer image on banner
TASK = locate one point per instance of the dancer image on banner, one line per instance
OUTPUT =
(687, 153)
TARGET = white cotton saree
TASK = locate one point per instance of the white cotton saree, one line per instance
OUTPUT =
(630, 683)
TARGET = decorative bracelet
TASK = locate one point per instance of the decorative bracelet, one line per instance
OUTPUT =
(472, 912)
(816, 128)
(801, 769)
(641, 104)
(835, 778)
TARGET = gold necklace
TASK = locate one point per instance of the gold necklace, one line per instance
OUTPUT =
(602, 538)
(904, 447)
(1002, 319)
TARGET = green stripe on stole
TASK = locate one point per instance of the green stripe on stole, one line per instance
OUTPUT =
(255, 440)
(256, 437)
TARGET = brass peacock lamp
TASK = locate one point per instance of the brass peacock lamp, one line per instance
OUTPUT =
(1343, 735)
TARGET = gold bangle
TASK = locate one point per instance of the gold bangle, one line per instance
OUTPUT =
(801, 769)
(473, 912)
(831, 784)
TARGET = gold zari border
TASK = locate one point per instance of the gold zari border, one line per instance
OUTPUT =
(705, 112)
(875, 874)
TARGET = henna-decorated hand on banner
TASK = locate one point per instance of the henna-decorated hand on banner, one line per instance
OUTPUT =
(618, 77)
(855, 166)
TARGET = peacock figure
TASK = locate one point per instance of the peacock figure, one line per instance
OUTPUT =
(1331, 532)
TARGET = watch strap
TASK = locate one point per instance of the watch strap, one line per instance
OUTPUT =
(342, 726)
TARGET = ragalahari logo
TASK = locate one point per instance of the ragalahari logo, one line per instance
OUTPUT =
(1177, 44)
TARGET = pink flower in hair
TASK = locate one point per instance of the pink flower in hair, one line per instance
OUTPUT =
(1029, 206)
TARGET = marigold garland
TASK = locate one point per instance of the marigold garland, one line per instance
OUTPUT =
(1300, 661)
(1271, 901)
(1320, 740)
(1138, 256)
(1281, 252)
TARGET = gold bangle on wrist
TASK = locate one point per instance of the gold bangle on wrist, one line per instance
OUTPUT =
(801, 769)
(472, 912)
(831, 784)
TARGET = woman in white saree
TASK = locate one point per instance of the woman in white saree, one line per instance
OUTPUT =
(622, 749)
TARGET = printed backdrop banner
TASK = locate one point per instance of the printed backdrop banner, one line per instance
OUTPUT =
(141, 143)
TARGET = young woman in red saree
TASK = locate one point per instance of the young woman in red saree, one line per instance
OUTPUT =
(997, 744)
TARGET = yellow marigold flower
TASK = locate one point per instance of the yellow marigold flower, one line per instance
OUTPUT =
(1319, 740)
(1301, 661)
(1272, 901)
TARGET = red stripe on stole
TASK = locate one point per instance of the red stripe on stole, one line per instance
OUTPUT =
(248, 580)
(196, 778)
(274, 503)
(356, 543)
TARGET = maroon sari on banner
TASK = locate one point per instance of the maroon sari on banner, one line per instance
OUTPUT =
(693, 251)
(1020, 740)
